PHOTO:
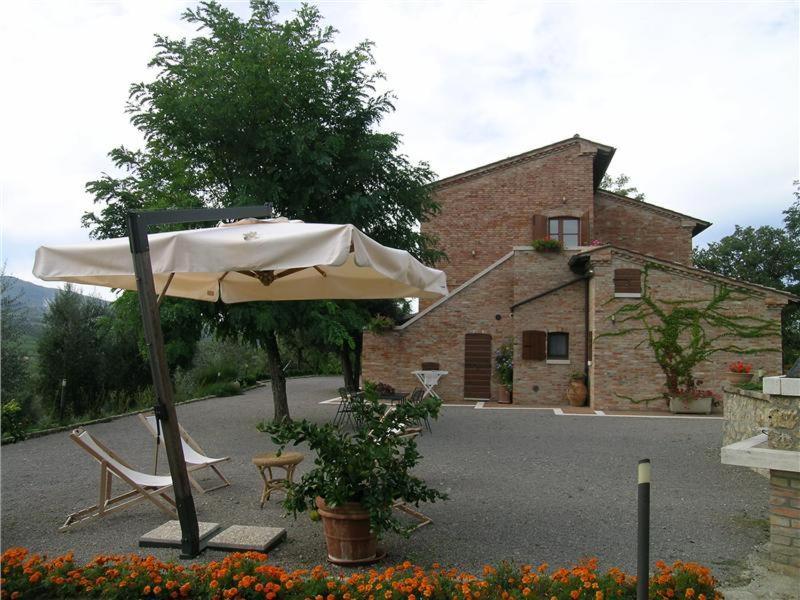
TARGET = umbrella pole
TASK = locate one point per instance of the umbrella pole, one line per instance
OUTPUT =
(138, 221)
(151, 319)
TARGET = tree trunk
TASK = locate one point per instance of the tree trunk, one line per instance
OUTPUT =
(359, 337)
(347, 367)
(277, 379)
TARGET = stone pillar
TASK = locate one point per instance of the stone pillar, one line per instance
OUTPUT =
(784, 522)
(784, 486)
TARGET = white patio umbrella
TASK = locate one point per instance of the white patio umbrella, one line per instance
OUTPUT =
(250, 259)
(270, 259)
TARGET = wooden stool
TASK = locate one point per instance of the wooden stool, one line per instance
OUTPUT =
(268, 461)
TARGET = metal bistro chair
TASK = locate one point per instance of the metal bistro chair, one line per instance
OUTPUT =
(345, 411)
(415, 398)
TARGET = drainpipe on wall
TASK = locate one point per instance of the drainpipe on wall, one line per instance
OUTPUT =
(586, 341)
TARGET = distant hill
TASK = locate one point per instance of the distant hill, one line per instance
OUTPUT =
(32, 297)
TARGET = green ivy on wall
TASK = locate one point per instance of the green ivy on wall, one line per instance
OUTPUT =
(684, 333)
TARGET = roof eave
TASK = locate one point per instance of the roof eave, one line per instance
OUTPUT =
(601, 161)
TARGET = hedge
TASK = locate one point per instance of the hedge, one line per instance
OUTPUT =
(248, 575)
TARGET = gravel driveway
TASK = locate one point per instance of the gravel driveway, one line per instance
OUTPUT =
(524, 485)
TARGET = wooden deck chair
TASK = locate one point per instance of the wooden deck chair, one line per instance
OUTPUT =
(410, 433)
(193, 454)
(152, 488)
(405, 431)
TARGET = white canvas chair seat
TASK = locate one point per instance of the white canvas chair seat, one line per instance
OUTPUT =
(143, 486)
(193, 455)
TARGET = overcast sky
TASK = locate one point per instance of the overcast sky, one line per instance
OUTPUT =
(700, 99)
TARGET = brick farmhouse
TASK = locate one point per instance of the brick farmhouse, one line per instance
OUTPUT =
(557, 308)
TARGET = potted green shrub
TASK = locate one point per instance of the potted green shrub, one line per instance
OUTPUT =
(504, 369)
(358, 476)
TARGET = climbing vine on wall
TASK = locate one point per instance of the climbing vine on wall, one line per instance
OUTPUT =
(684, 333)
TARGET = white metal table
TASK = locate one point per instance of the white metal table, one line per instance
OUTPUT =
(429, 380)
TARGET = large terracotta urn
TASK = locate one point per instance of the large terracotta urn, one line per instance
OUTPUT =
(348, 535)
(577, 392)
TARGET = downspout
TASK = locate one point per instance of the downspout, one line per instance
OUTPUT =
(587, 340)
(581, 264)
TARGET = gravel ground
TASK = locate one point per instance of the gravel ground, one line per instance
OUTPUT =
(524, 485)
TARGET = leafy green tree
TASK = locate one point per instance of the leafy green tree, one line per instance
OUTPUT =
(13, 321)
(182, 322)
(262, 110)
(621, 185)
(71, 348)
(767, 256)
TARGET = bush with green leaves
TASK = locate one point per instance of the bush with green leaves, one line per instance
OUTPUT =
(370, 465)
(12, 424)
(547, 245)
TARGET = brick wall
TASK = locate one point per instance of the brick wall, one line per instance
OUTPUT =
(784, 522)
(536, 381)
(631, 224)
(484, 216)
(439, 336)
(623, 367)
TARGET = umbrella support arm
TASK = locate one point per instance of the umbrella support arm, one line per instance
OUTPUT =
(138, 221)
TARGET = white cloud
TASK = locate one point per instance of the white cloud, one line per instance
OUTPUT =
(700, 99)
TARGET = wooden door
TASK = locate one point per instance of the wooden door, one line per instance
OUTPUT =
(478, 366)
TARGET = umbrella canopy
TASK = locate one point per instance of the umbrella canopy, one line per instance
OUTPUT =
(250, 260)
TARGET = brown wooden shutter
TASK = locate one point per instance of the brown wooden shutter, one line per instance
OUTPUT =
(534, 345)
(585, 240)
(527, 345)
(539, 227)
(627, 281)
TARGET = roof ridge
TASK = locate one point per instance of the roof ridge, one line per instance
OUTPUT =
(517, 158)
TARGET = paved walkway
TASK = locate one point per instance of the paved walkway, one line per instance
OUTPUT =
(524, 485)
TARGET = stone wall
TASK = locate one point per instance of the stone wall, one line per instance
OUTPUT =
(746, 413)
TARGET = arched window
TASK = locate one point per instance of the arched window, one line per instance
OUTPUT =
(567, 230)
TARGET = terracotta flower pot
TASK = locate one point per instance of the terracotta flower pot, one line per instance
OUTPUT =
(505, 396)
(577, 393)
(737, 378)
(348, 535)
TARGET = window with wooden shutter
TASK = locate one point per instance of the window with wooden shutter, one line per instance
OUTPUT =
(564, 229)
(539, 227)
(534, 345)
(628, 283)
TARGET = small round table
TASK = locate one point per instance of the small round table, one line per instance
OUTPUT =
(268, 461)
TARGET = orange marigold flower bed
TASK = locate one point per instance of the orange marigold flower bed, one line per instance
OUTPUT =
(248, 575)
